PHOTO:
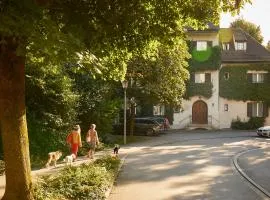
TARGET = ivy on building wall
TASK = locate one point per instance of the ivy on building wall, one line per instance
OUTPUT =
(210, 59)
(198, 89)
(235, 84)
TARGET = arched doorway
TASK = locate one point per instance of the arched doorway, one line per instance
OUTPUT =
(199, 112)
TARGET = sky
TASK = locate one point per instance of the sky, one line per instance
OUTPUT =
(258, 13)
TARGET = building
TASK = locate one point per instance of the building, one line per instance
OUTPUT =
(230, 80)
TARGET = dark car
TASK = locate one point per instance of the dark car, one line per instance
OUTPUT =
(142, 126)
(164, 124)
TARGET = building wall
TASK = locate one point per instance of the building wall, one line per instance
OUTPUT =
(183, 118)
(204, 37)
(236, 109)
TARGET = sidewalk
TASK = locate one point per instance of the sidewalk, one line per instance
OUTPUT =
(52, 170)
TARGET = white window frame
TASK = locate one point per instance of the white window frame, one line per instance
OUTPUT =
(257, 77)
(257, 109)
(158, 110)
(226, 46)
(199, 77)
(201, 45)
(242, 46)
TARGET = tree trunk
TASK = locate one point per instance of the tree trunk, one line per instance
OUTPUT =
(13, 122)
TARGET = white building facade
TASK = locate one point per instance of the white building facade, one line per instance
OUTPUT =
(235, 78)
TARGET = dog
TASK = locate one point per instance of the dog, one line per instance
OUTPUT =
(116, 150)
(53, 157)
(69, 159)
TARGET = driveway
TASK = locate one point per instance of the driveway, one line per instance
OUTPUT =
(192, 165)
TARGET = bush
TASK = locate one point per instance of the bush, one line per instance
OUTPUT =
(252, 123)
(88, 181)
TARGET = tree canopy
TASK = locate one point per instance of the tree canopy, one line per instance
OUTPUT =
(251, 28)
(101, 36)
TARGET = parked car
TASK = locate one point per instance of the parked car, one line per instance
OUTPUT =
(164, 124)
(264, 131)
(142, 126)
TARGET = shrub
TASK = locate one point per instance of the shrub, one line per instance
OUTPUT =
(88, 181)
(252, 123)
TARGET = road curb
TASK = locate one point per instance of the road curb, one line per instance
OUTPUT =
(108, 192)
(239, 169)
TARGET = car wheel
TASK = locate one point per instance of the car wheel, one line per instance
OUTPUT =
(150, 132)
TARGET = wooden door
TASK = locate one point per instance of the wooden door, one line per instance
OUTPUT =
(199, 112)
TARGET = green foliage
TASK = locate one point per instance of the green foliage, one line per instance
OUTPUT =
(88, 181)
(268, 46)
(204, 60)
(160, 77)
(252, 123)
(199, 89)
(249, 27)
(98, 103)
(237, 87)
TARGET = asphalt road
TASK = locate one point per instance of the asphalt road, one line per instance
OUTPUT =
(194, 165)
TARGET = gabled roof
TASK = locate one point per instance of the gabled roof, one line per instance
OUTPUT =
(210, 27)
(254, 52)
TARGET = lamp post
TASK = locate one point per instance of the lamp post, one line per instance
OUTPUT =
(125, 85)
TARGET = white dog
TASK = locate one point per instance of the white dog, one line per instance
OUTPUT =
(69, 159)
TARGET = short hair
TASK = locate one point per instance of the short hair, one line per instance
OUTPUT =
(93, 126)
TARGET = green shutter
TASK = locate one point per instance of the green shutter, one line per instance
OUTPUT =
(249, 109)
(192, 77)
(249, 78)
(207, 77)
(209, 43)
(265, 110)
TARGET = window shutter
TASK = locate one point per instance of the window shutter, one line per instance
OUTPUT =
(209, 43)
(207, 77)
(265, 110)
(193, 45)
(266, 78)
(249, 78)
(249, 109)
(192, 77)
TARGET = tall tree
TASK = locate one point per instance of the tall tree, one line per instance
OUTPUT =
(101, 35)
(249, 27)
(268, 45)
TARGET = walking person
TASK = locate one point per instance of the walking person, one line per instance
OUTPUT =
(74, 140)
(92, 140)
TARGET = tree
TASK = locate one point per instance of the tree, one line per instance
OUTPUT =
(250, 28)
(101, 35)
(268, 45)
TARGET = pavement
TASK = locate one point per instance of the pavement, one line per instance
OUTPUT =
(52, 169)
(255, 164)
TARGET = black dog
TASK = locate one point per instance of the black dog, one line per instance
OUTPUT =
(116, 149)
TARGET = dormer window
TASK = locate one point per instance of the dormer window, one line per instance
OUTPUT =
(242, 46)
(226, 46)
(201, 45)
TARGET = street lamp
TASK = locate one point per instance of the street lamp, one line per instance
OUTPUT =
(125, 85)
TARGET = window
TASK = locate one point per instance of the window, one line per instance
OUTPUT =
(257, 77)
(158, 110)
(226, 107)
(257, 109)
(226, 46)
(240, 46)
(226, 75)
(201, 45)
(199, 78)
